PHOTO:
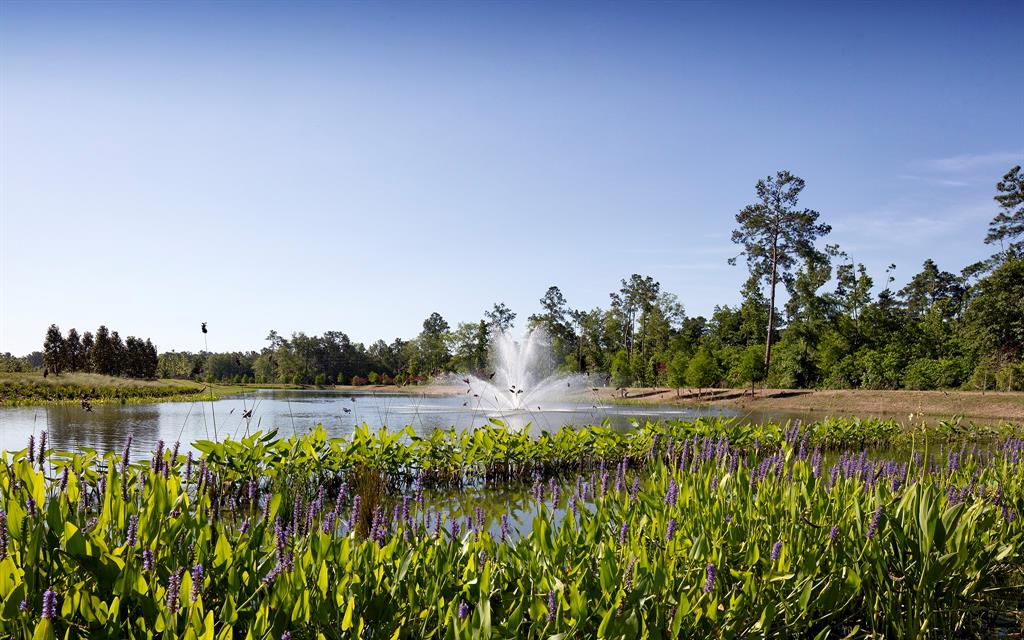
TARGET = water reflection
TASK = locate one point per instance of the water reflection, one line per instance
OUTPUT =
(105, 428)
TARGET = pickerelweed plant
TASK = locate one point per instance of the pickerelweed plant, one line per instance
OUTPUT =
(671, 530)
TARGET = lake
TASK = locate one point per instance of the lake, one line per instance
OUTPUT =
(106, 427)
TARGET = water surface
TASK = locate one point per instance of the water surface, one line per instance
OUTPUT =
(106, 427)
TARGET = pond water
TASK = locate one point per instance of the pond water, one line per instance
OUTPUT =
(106, 427)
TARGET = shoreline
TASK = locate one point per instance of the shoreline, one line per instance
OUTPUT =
(819, 403)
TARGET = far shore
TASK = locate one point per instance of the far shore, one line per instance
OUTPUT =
(899, 404)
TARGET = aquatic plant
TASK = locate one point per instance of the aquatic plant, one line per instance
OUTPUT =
(753, 543)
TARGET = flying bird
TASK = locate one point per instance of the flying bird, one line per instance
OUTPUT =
(346, 410)
(466, 380)
(247, 414)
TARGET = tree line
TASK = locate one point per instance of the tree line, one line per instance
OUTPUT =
(105, 352)
(835, 329)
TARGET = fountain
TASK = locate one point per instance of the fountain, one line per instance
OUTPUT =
(522, 377)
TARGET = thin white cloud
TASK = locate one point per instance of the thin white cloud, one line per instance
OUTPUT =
(970, 161)
(943, 182)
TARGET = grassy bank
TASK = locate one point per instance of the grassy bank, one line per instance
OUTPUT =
(32, 388)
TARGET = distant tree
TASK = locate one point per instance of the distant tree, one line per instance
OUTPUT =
(633, 301)
(1007, 228)
(103, 356)
(53, 350)
(73, 351)
(321, 379)
(677, 370)
(995, 314)
(702, 371)
(432, 352)
(85, 352)
(774, 234)
(751, 367)
(373, 378)
(621, 371)
(933, 287)
(151, 360)
(120, 353)
(500, 317)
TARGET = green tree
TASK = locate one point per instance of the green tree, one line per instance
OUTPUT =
(751, 367)
(1007, 228)
(432, 355)
(85, 352)
(702, 371)
(995, 313)
(53, 350)
(500, 317)
(774, 234)
(73, 351)
(677, 370)
(621, 372)
(103, 357)
(119, 354)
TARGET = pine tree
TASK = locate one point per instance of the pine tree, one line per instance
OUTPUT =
(774, 234)
(85, 352)
(73, 350)
(103, 353)
(53, 350)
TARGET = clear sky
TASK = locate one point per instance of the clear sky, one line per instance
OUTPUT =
(355, 167)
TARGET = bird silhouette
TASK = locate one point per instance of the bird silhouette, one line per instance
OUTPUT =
(204, 327)
(465, 403)
(491, 376)
(247, 414)
(466, 380)
(346, 410)
(353, 398)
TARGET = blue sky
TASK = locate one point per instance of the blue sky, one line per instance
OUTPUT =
(357, 166)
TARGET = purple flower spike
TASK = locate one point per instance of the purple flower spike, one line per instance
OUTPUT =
(147, 560)
(173, 589)
(197, 580)
(873, 526)
(671, 530)
(49, 604)
(463, 610)
(712, 575)
(552, 606)
(133, 530)
(832, 533)
(776, 550)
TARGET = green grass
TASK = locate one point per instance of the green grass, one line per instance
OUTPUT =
(33, 388)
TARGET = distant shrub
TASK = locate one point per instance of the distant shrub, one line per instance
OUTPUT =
(929, 373)
(386, 379)
(374, 377)
(341, 378)
(358, 381)
(296, 379)
(320, 380)
(1010, 377)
